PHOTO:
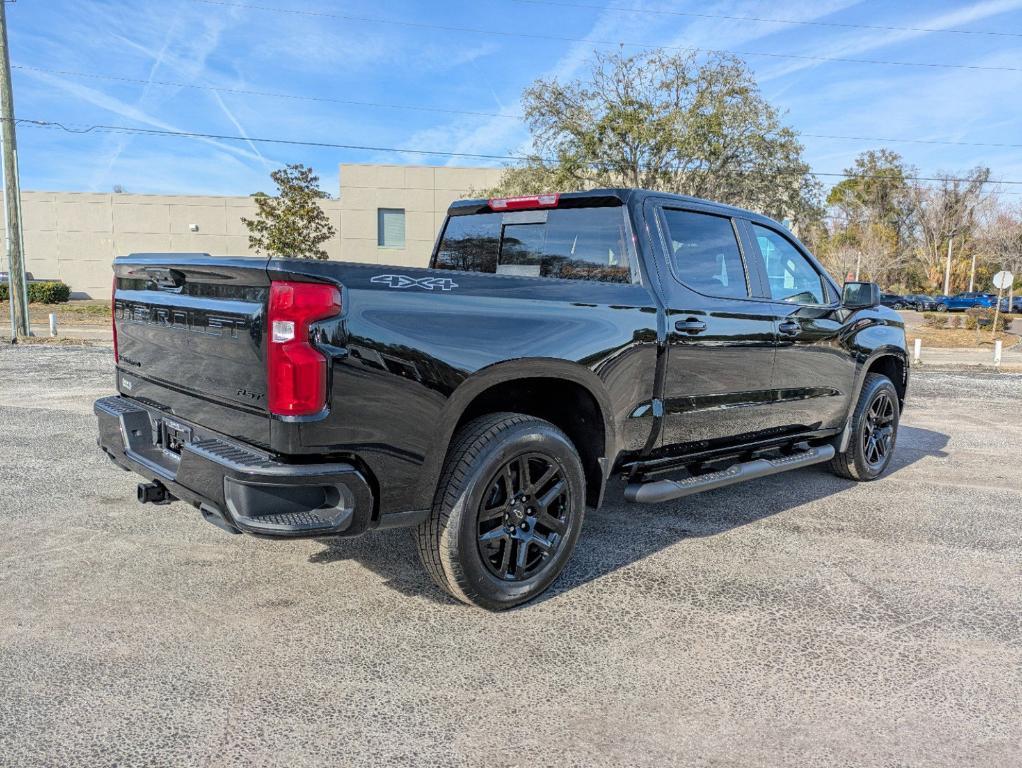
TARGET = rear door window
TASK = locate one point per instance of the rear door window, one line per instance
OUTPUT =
(567, 243)
(704, 253)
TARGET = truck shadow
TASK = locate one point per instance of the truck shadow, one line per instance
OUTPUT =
(621, 534)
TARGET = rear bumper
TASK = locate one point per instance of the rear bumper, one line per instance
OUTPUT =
(234, 485)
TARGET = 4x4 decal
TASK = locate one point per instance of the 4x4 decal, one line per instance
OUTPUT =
(426, 283)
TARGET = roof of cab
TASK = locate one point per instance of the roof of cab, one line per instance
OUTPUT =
(611, 197)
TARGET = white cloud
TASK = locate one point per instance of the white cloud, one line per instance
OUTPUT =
(130, 111)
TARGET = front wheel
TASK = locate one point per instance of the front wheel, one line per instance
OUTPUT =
(507, 511)
(874, 431)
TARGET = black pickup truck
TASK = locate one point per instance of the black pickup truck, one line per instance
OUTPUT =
(554, 341)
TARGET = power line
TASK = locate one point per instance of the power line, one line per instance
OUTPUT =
(227, 137)
(368, 148)
(560, 39)
(441, 110)
(842, 25)
(911, 141)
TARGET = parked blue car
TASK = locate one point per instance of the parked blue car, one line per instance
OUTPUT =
(963, 301)
(1016, 305)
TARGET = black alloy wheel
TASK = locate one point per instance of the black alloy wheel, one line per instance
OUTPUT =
(523, 517)
(878, 429)
(874, 431)
(507, 512)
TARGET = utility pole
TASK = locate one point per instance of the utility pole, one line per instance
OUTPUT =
(972, 274)
(947, 269)
(16, 284)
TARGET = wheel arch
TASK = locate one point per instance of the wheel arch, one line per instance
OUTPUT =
(889, 360)
(568, 395)
(893, 365)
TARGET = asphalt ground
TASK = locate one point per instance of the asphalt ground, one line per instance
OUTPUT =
(796, 620)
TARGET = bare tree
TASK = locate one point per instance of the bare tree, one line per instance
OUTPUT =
(1001, 241)
(882, 259)
(843, 261)
(948, 209)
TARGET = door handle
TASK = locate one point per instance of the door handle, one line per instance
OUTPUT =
(690, 325)
(789, 328)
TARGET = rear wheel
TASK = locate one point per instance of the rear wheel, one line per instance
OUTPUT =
(874, 431)
(507, 511)
(942, 307)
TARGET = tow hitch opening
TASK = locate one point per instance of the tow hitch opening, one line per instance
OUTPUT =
(154, 493)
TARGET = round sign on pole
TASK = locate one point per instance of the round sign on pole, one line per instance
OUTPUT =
(1003, 280)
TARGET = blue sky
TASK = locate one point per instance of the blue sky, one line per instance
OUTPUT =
(330, 60)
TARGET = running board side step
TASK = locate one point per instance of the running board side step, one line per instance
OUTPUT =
(666, 490)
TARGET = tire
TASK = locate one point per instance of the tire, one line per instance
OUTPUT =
(942, 307)
(510, 483)
(898, 305)
(876, 414)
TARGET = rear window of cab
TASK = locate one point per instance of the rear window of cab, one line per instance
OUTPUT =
(566, 243)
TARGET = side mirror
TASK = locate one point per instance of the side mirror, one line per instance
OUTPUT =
(860, 295)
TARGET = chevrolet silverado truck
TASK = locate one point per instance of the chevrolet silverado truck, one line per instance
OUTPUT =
(553, 342)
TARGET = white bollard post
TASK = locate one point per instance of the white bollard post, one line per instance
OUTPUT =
(997, 352)
(53, 324)
(918, 350)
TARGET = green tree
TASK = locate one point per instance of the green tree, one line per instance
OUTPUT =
(670, 122)
(872, 215)
(292, 224)
(875, 192)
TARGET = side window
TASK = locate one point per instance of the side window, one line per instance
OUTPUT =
(791, 277)
(705, 253)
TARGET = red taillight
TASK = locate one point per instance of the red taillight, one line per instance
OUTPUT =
(113, 317)
(296, 371)
(524, 203)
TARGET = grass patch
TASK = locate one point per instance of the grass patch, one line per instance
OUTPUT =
(84, 309)
(952, 338)
(88, 312)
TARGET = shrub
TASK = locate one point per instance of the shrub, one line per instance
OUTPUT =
(44, 292)
(49, 292)
(976, 317)
(983, 317)
(955, 321)
(935, 320)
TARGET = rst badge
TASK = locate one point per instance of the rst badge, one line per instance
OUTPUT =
(426, 283)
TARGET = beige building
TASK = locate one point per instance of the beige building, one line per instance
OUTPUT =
(385, 214)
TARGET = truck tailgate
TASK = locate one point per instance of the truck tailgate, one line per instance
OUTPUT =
(191, 339)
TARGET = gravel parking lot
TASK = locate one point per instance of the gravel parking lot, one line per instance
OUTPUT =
(798, 620)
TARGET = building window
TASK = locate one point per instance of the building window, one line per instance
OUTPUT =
(390, 227)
